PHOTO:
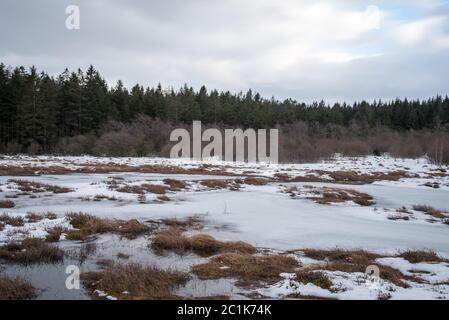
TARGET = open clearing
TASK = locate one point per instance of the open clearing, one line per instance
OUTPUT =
(209, 229)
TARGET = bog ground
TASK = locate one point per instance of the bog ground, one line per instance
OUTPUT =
(224, 230)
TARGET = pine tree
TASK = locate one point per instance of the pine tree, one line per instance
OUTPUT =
(27, 109)
(48, 113)
(120, 103)
(6, 113)
(69, 103)
(94, 103)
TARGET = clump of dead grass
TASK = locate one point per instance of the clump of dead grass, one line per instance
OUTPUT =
(315, 277)
(221, 184)
(355, 177)
(143, 188)
(256, 181)
(99, 197)
(33, 217)
(201, 244)
(334, 195)
(416, 256)
(12, 221)
(50, 216)
(37, 187)
(193, 222)
(131, 228)
(346, 177)
(355, 261)
(16, 289)
(54, 234)
(139, 282)
(326, 195)
(175, 185)
(385, 272)
(438, 214)
(7, 204)
(87, 225)
(248, 269)
(30, 251)
(341, 255)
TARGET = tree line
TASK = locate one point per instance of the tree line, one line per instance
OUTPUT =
(38, 110)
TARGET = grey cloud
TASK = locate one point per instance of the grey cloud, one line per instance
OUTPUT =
(229, 45)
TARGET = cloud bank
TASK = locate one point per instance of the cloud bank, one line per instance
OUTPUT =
(307, 50)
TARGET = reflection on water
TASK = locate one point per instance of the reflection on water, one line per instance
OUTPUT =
(209, 288)
(50, 279)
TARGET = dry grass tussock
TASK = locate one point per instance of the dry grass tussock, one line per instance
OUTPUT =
(143, 188)
(12, 221)
(341, 255)
(30, 251)
(176, 185)
(193, 222)
(36, 187)
(7, 204)
(16, 289)
(134, 281)
(317, 278)
(333, 195)
(221, 184)
(100, 197)
(54, 234)
(201, 244)
(33, 217)
(248, 269)
(326, 195)
(418, 256)
(438, 214)
(387, 273)
(50, 216)
(358, 260)
(354, 177)
(256, 181)
(347, 177)
(87, 225)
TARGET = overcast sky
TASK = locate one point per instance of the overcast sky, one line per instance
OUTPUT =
(307, 50)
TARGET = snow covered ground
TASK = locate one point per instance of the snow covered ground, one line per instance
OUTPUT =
(262, 215)
(362, 165)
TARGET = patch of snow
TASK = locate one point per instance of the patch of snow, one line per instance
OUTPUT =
(354, 286)
(430, 272)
